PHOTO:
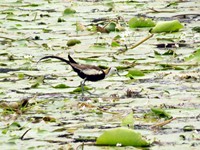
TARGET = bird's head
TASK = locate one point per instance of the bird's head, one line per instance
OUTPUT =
(110, 71)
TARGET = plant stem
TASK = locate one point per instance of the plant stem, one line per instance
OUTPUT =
(137, 44)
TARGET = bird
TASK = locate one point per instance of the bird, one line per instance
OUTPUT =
(85, 71)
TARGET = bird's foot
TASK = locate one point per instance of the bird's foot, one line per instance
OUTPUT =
(84, 98)
(92, 93)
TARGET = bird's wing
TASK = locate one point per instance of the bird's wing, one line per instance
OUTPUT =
(87, 69)
(92, 71)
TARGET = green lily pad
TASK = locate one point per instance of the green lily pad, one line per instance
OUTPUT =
(61, 20)
(21, 76)
(69, 11)
(46, 30)
(15, 124)
(170, 67)
(111, 27)
(188, 128)
(197, 29)
(115, 44)
(79, 89)
(123, 67)
(61, 86)
(128, 121)
(167, 26)
(169, 52)
(134, 72)
(116, 41)
(117, 37)
(140, 22)
(35, 85)
(122, 136)
(161, 113)
(73, 42)
(194, 57)
(4, 131)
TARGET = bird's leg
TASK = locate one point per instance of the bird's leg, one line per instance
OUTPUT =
(82, 87)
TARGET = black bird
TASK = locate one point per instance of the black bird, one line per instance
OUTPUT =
(86, 72)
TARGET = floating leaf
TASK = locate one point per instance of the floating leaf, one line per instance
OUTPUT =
(46, 30)
(115, 44)
(61, 20)
(161, 113)
(167, 26)
(79, 89)
(111, 27)
(128, 120)
(140, 22)
(61, 86)
(62, 129)
(169, 67)
(194, 57)
(11, 127)
(41, 131)
(134, 72)
(14, 126)
(40, 79)
(197, 29)
(4, 131)
(73, 42)
(116, 41)
(69, 11)
(35, 85)
(123, 67)
(169, 52)
(157, 53)
(172, 4)
(49, 119)
(31, 5)
(123, 136)
(117, 37)
(20, 76)
(188, 128)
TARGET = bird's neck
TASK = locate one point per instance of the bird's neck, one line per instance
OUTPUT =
(107, 72)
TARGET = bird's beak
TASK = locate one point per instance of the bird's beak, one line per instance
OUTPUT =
(118, 74)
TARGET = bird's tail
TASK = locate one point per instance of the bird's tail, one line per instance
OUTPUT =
(56, 57)
(71, 60)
